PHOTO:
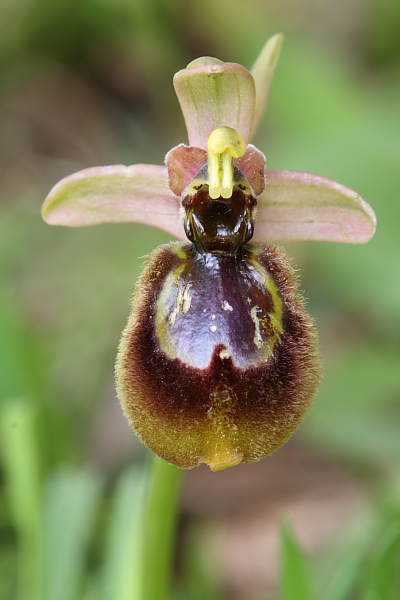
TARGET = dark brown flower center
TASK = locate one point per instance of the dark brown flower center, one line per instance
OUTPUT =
(221, 225)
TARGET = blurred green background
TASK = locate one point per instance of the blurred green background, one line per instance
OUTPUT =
(89, 82)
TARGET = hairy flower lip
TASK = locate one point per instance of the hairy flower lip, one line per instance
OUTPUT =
(189, 410)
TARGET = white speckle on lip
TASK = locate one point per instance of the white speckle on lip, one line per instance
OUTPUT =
(226, 305)
(212, 328)
(186, 299)
(182, 303)
(258, 341)
(212, 317)
(224, 353)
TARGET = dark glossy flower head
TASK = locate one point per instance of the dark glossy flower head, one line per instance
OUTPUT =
(219, 361)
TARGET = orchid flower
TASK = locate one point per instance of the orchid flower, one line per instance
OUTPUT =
(206, 375)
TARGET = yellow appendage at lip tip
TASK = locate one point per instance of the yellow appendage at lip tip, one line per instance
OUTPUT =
(224, 460)
(224, 144)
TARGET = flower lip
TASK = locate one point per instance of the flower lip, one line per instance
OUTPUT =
(219, 361)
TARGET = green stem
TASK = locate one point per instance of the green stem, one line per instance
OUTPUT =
(159, 529)
(22, 473)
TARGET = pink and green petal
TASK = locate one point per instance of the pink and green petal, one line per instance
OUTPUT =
(304, 207)
(183, 163)
(213, 94)
(252, 165)
(115, 194)
(263, 72)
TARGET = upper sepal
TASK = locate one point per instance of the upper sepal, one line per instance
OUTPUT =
(213, 95)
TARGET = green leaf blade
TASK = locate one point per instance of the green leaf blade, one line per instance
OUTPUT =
(70, 507)
(121, 576)
(295, 582)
